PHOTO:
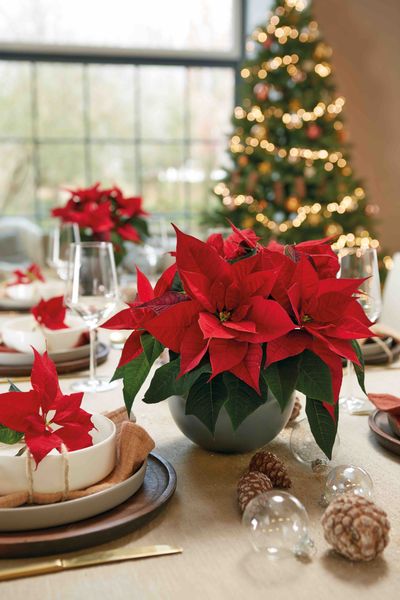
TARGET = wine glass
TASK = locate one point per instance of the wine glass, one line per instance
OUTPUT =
(92, 293)
(360, 263)
(60, 239)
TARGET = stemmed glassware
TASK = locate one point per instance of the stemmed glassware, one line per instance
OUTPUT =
(60, 239)
(92, 293)
(361, 263)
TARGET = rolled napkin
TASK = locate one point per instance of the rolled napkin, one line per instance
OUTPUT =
(134, 445)
(386, 402)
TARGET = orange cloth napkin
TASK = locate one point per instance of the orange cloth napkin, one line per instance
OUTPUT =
(133, 445)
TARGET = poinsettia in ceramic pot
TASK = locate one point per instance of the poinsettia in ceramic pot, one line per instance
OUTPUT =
(105, 214)
(245, 327)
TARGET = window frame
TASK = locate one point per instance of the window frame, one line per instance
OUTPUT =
(35, 54)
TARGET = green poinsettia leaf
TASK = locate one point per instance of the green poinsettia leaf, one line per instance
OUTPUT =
(323, 427)
(140, 225)
(165, 381)
(9, 436)
(205, 400)
(281, 378)
(359, 369)
(135, 372)
(242, 399)
(314, 378)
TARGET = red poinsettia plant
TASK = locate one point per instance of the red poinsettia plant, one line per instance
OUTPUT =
(105, 214)
(50, 313)
(29, 275)
(239, 318)
(44, 418)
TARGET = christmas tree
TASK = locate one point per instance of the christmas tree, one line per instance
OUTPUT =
(291, 177)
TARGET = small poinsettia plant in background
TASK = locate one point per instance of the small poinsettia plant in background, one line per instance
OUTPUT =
(50, 313)
(44, 418)
(105, 214)
(239, 318)
(29, 275)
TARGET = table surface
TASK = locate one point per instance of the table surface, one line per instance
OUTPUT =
(203, 518)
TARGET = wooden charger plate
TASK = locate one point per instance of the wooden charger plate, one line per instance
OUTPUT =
(158, 487)
(379, 424)
(66, 366)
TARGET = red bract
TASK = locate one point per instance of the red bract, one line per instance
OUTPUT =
(237, 245)
(319, 252)
(47, 418)
(32, 273)
(149, 302)
(328, 316)
(227, 316)
(102, 211)
(51, 313)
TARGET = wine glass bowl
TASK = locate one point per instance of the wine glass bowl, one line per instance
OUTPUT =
(92, 293)
(361, 263)
(60, 239)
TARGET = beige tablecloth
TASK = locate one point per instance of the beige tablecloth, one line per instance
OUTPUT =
(217, 561)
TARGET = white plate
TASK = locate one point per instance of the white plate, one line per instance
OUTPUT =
(25, 518)
(11, 304)
(13, 359)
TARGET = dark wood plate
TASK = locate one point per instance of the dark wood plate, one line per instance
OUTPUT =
(158, 487)
(379, 424)
(68, 366)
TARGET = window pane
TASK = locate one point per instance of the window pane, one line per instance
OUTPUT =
(114, 165)
(211, 97)
(161, 102)
(61, 166)
(203, 169)
(162, 177)
(15, 99)
(16, 180)
(60, 100)
(112, 105)
(176, 24)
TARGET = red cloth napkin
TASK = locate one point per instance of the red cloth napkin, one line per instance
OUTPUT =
(387, 403)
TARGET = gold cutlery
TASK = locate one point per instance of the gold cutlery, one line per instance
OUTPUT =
(88, 559)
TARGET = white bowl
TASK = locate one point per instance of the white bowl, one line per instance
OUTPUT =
(22, 333)
(86, 467)
(26, 292)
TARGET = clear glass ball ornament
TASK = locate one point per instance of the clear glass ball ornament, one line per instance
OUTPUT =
(306, 450)
(277, 523)
(347, 478)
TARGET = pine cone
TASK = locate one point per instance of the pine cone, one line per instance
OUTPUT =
(250, 485)
(295, 412)
(356, 527)
(269, 464)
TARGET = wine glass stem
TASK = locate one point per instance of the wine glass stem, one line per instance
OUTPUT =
(92, 370)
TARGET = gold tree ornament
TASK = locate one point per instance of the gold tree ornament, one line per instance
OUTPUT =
(265, 168)
(292, 203)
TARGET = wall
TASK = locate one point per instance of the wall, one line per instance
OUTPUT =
(365, 38)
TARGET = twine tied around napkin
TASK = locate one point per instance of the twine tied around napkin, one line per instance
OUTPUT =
(133, 446)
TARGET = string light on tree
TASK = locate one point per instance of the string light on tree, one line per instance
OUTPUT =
(291, 173)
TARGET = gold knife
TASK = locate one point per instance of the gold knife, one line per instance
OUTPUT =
(77, 561)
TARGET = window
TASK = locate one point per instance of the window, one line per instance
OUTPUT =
(152, 119)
